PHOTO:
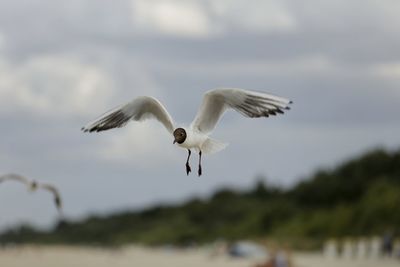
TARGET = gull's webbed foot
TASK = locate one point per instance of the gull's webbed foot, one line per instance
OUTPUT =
(200, 170)
(188, 169)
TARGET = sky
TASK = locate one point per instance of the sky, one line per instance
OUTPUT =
(63, 63)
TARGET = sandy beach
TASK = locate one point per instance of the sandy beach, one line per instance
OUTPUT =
(61, 256)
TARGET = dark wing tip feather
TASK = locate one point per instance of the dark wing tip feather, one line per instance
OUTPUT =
(257, 106)
(88, 130)
(57, 201)
(116, 119)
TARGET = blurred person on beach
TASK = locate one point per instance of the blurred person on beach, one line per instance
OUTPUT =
(278, 258)
(396, 248)
(387, 244)
(219, 248)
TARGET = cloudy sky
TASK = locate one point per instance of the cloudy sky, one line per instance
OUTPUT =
(64, 62)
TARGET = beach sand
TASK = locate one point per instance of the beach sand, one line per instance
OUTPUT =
(63, 256)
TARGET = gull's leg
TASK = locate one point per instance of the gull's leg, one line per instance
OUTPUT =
(188, 169)
(200, 170)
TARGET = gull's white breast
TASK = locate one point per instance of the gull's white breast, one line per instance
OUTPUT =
(194, 139)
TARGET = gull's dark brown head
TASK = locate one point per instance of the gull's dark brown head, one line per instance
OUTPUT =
(180, 135)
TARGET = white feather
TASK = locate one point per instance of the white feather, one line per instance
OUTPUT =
(211, 146)
(139, 109)
(248, 103)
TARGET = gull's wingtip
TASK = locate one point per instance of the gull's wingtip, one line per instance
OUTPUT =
(85, 129)
(289, 103)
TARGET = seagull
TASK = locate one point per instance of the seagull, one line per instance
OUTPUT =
(56, 195)
(33, 186)
(250, 104)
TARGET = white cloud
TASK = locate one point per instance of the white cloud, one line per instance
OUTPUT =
(387, 13)
(146, 144)
(182, 18)
(340, 16)
(256, 15)
(307, 64)
(387, 70)
(194, 18)
(53, 85)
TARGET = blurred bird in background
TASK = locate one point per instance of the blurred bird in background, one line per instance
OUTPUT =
(34, 186)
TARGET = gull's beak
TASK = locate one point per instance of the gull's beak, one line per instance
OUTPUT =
(174, 142)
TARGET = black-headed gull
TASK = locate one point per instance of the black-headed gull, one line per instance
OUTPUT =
(33, 186)
(197, 136)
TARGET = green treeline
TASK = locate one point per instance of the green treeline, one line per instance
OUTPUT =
(358, 198)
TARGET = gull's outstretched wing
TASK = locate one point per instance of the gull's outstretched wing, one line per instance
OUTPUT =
(249, 103)
(16, 177)
(56, 194)
(139, 109)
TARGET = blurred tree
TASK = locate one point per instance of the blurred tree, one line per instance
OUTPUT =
(360, 197)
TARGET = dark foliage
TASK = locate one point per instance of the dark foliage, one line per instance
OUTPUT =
(360, 197)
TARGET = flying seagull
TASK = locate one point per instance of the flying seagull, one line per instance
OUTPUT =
(250, 104)
(33, 186)
(56, 194)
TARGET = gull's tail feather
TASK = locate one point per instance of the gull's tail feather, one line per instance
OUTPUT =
(211, 146)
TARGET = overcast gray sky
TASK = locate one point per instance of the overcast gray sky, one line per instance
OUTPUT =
(64, 62)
